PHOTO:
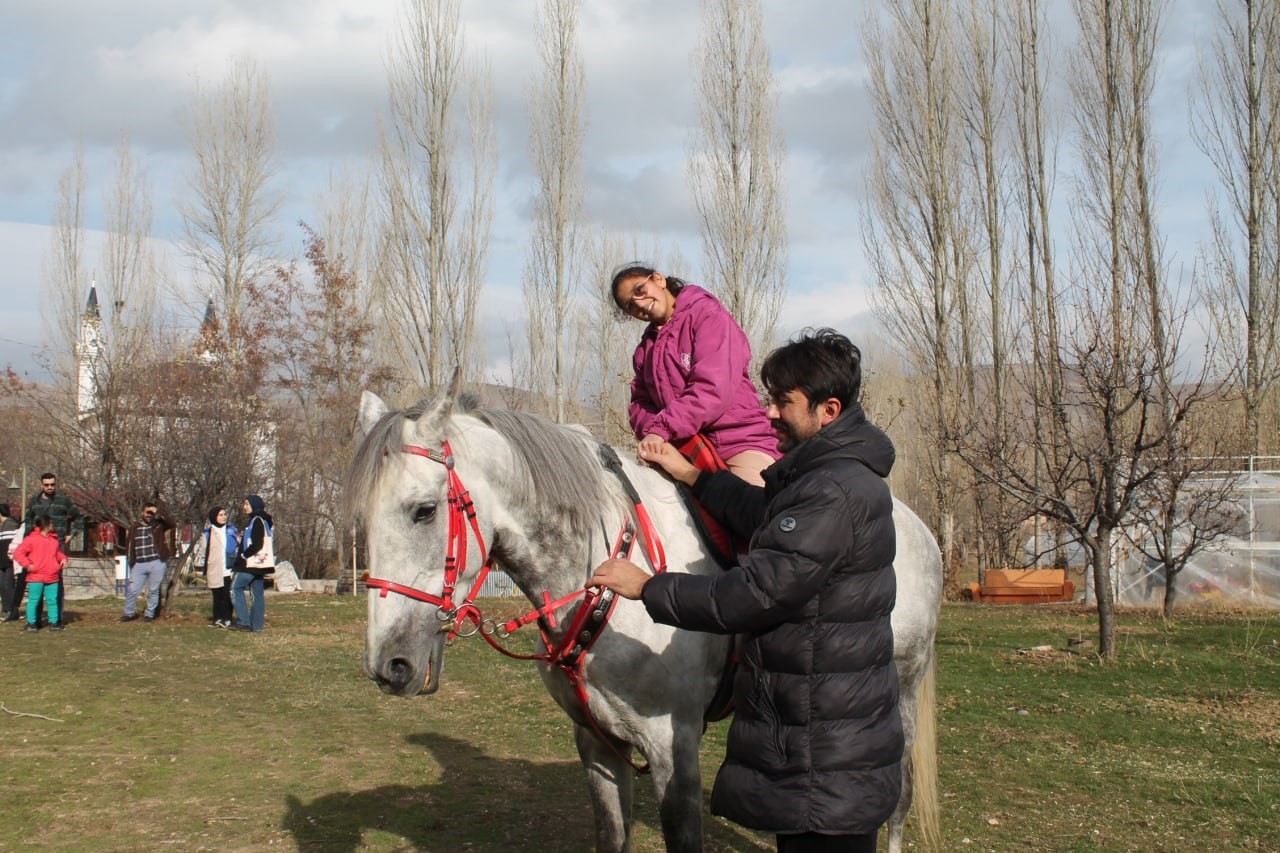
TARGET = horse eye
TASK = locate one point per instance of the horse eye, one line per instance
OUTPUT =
(423, 513)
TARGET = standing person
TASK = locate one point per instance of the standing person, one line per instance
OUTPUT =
(41, 555)
(8, 580)
(258, 559)
(692, 372)
(816, 742)
(48, 501)
(148, 551)
(221, 544)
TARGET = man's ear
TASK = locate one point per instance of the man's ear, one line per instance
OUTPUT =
(828, 410)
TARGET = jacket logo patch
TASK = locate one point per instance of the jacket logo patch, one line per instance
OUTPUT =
(787, 524)
(686, 358)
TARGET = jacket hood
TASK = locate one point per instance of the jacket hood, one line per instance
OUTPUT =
(256, 504)
(850, 436)
(691, 294)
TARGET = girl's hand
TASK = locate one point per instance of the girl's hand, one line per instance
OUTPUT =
(650, 445)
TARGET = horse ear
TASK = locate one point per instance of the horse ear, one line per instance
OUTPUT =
(455, 383)
(371, 411)
(432, 420)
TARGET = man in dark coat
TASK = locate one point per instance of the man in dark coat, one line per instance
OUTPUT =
(816, 742)
(48, 501)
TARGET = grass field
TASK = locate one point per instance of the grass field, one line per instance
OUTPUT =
(176, 736)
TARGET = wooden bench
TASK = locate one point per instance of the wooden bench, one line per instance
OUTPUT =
(1023, 586)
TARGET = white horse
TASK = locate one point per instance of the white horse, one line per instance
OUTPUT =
(549, 511)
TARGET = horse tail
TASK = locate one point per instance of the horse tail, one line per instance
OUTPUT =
(924, 761)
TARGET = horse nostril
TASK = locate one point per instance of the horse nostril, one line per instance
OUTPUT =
(401, 671)
(395, 675)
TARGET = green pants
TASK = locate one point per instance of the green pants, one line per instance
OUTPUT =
(50, 592)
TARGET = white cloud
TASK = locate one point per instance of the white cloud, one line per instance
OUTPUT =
(83, 70)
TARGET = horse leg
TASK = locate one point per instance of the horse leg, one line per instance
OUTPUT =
(677, 782)
(609, 778)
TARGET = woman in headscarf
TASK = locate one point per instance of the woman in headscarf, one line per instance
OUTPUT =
(257, 560)
(221, 543)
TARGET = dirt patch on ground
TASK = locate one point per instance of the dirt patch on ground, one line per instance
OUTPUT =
(101, 616)
(1258, 712)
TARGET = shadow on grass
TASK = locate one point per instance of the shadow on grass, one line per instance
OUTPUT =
(481, 803)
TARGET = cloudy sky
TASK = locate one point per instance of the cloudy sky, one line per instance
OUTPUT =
(89, 71)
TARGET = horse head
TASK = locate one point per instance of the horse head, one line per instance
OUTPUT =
(398, 489)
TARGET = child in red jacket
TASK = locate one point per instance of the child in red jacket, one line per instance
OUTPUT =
(41, 555)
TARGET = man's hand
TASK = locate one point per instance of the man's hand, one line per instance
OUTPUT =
(670, 460)
(622, 576)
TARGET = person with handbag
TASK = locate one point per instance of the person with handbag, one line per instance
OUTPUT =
(257, 559)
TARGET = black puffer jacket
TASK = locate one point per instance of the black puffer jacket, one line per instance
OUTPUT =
(816, 740)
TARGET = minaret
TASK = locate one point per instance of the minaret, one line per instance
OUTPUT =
(88, 354)
(209, 335)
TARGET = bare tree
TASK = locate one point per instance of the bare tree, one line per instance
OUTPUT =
(1035, 160)
(917, 239)
(736, 170)
(130, 271)
(429, 249)
(606, 343)
(557, 120)
(1185, 510)
(476, 227)
(1235, 124)
(985, 115)
(1119, 412)
(228, 214)
(66, 281)
(345, 212)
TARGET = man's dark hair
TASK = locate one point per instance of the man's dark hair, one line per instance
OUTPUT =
(48, 476)
(820, 362)
(150, 505)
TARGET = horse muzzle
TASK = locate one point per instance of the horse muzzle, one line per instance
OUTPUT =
(399, 675)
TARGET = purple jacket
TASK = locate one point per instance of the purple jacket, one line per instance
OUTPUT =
(692, 376)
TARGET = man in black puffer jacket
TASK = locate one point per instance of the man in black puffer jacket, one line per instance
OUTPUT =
(816, 740)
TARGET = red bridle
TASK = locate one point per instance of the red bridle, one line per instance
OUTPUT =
(587, 622)
(462, 512)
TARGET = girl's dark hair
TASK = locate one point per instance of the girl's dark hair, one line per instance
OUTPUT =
(636, 269)
(820, 362)
(44, 522)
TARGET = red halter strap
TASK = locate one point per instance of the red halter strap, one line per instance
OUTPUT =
(588, 621)
(462, 513)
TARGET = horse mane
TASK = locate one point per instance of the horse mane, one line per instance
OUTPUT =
(558, 469)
